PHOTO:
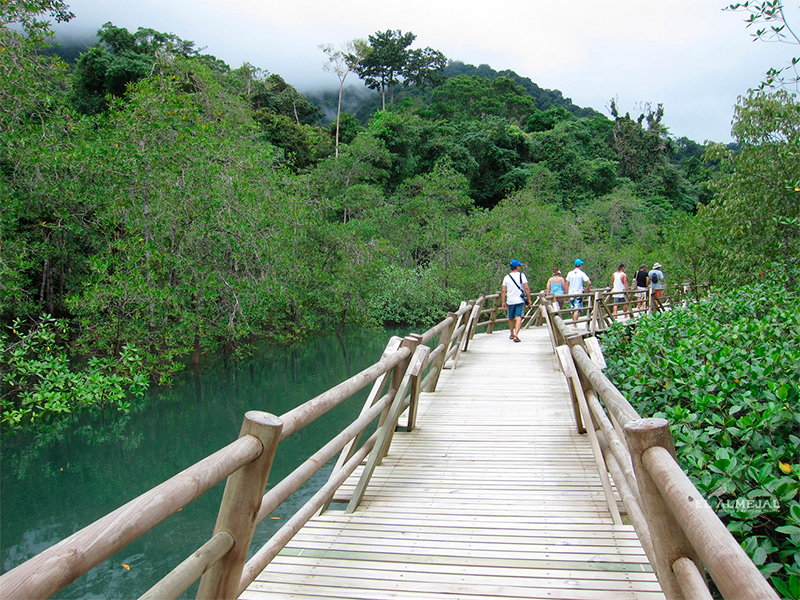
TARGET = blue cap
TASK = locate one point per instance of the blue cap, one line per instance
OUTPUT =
(515, 263)
(578, 262)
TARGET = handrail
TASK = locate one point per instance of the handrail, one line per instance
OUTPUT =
(246, 463)
(61, 564)
(679, 531)
(299, 417)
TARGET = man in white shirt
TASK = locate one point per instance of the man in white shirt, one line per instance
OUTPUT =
(515, 288)
(576, 279)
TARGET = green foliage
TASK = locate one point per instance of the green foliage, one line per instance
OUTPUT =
(121, 58)
(433, 209)
(725, 373)
(410, 296)
(304, 145)
(39, 379)
(390, 61)
(30, 83)
(476, 97)
(578, 152)
(187, 207)
(545, 120)
(521, 226)
(544, 99)
(754, 219)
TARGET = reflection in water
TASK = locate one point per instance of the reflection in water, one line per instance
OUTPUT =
(71, 473)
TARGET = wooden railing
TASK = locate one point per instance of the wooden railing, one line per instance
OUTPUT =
(408, 365)
(680, 533)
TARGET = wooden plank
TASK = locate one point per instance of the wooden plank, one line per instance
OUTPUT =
(492, 495)
(370, 568)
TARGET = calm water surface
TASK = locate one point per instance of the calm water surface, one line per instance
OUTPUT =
(56, 482)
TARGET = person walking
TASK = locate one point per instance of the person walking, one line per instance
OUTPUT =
(642, 281)
(619, 287)
(576, 280)
(515, 289)
(557, 286)
(656, 280)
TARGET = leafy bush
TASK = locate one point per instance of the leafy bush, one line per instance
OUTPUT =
(725, 372)
(411, 297)
(38, 379)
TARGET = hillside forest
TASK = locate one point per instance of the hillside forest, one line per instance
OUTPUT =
(158, 204)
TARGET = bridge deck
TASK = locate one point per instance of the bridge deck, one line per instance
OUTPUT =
(494, 495)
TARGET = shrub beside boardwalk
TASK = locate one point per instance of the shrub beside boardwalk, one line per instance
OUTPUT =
(725, 372)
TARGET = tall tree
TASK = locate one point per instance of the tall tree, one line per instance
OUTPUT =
(640, 148)
(342, 61)
(755, 216)
(391, 62)
(384, 66)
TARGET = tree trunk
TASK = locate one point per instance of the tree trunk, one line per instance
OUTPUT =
(338, 114)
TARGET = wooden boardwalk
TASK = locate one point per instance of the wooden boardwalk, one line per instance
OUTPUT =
(493, 495)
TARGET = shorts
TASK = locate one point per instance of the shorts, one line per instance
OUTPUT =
(641, 295)
(619, 299)
(514, 311)
(576, 302)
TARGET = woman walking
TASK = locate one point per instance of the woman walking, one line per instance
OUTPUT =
(557, 286)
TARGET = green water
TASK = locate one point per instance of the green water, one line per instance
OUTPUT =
(60, 480)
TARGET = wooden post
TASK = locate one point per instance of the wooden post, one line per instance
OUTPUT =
(732, 570)
(669, 541)
(398, 378)
(463, 320)
(186, 573)
(240, 503)
(386, 431)
(474, 317)
(548, 321)
(415, 389)
(374, 395)
(493, 315)
(568, 367)
(576, 382)
(444, 338)
(691, 580)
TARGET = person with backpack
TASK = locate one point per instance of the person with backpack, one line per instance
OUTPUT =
(656, 280)
(515, 289)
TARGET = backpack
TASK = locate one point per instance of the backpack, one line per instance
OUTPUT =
(654, 278)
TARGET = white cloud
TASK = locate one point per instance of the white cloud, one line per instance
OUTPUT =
(687, 54)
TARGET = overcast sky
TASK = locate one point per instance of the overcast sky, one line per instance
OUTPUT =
(686, 54)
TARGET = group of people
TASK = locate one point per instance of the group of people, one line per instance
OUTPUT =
(515, 293)
(654, 279)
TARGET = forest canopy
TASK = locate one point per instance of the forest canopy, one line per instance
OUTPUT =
(159, 204)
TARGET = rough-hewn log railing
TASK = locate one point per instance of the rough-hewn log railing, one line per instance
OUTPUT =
(407, 366)
(680, 533)
(598, 312)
